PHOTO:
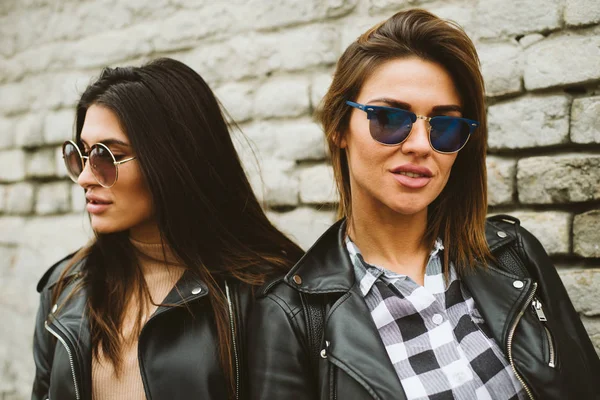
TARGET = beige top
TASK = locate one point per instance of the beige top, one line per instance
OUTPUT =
(160, 277)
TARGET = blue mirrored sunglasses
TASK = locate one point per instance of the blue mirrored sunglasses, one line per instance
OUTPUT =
(392, 126)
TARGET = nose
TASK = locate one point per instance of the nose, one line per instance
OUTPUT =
(86, 179)
(417, 142)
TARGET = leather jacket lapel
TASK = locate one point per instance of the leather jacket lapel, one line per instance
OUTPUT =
(69, 323)
(355, 346)
(499, 298)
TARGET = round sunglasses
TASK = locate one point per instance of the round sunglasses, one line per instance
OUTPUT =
(392, 126)
(102, 161)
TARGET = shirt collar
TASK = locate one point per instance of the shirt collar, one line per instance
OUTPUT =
(367, 274)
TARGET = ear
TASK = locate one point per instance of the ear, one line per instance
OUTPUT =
(341, 140)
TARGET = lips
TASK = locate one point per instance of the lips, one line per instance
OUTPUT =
(96, 204)
(412, 176)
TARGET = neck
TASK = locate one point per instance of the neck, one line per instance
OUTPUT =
(146, 232)
(391, 240)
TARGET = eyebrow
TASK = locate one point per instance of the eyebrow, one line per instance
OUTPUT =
(108, 142)
(406, 106)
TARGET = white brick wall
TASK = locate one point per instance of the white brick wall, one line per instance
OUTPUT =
(270, 63)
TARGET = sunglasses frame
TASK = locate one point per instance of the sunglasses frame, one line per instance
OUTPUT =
(83, 160)
(472, 124)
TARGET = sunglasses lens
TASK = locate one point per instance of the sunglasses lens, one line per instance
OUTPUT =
(103, 166)
(390, 127)
(72, 160)
(448, 134)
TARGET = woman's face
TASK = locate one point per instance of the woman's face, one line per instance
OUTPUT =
(378, 173)
(127, 205)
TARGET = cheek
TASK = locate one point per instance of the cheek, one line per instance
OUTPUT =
(134, 196)
(445, 164)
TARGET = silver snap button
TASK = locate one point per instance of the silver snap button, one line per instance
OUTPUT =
(437, 319)
(323, 353)
(54, 308)
(501, 234)
(518, 284)
(196, 290)
(297, 279)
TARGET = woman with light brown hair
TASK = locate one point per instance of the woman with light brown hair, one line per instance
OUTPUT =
(413, 294)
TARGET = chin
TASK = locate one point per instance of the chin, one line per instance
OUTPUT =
(408, 209)
(104, 226)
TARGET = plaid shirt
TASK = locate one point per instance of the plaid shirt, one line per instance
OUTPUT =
(433, 334)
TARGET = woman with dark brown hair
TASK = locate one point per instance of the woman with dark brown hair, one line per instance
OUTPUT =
(156, 306)
(413, 294)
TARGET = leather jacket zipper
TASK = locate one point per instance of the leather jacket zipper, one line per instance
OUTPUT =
(539, 311)
(71, 361)
(235, 350)
(509, 340)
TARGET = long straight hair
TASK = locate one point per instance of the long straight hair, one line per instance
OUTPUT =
(458, 214)
(202, 201)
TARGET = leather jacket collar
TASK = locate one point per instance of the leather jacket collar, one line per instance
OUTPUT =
(329, 254)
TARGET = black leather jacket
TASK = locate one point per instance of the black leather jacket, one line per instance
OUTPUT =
(554, 359)
(177, 350)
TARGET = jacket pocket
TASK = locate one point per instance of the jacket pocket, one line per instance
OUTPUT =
(332, 381)
(548, 338)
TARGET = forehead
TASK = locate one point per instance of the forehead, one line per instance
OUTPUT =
(411, 80)
(101, 124)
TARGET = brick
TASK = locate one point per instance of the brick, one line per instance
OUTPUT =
(14, 98)
(529, 121)
(582, 12)
(259, 54)
(586, 234)
(28, 131)
(290, 140)
(585, 120)
(318, 88)
(458, 13)
(275, 183)
(376, 6)
(303, 225)
(181, 29)
(12, 165)
(530, 39)
(7, 132)
(547, 64)
(77, 19)
(59, 126)
(237, 98)
(53, 198)
(500, 180)
(583, 286)
(513, 17)
(100, 49)
(11, 230)
(268, 14)
(20, 198)
(59, 164)
(565, 178)
(317, 185)
(43, 91)
(592, 326)
(502, 68)
(351, 28)
(51, 243)
(3, 189)
(78, 201)
(41, 163)
(271, 101)
(551, 228)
